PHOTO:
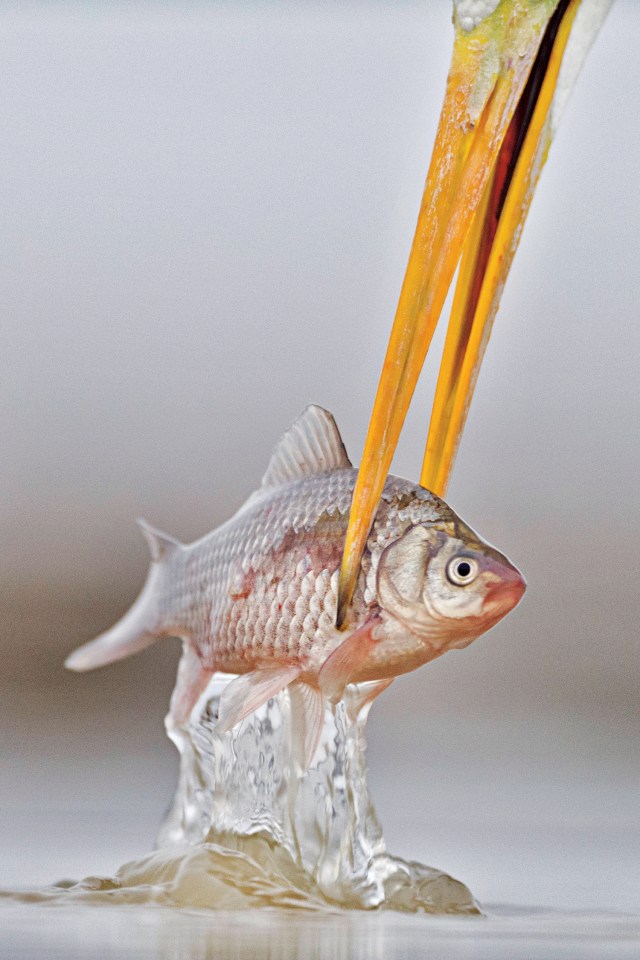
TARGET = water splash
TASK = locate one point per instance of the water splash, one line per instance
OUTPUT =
(318, 833)
(246, 829)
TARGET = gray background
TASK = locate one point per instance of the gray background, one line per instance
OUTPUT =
(205, 215)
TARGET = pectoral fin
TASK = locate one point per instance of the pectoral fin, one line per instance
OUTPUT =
(307, 718)
(244, 695)
(348, 662)
(365, 694)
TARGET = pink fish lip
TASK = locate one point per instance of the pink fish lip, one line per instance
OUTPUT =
(506, 594)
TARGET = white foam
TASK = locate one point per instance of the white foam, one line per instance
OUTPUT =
(472, 12)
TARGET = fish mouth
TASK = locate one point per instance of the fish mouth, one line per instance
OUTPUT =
(502, 597)
(493, 137)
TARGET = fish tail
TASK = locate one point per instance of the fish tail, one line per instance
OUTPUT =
(143, 623)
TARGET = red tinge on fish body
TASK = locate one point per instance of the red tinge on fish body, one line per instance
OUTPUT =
(257, 597)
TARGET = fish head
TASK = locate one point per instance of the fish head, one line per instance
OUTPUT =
(444, 584)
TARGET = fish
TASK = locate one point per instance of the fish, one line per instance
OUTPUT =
(257, 597)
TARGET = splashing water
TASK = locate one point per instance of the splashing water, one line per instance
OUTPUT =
(240, 791)
(245, 829)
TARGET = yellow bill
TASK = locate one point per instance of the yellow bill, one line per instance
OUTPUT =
(483, 170)
(488, 254)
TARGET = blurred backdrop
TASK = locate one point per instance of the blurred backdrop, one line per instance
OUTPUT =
(206, 210)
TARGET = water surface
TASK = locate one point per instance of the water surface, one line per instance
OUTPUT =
(147, 933)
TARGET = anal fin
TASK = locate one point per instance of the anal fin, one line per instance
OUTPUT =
(307, 719)
(244, 695)
(191, 681)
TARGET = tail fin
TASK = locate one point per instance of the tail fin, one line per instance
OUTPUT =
(141, 625)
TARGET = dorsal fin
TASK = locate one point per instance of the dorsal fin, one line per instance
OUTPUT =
(311, 445)
(160, 544)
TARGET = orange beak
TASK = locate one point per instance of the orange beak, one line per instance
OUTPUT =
(492, 140)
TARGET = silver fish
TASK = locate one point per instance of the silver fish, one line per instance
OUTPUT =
(257, 597)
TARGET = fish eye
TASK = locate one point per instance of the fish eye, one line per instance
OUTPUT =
(462, 571)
